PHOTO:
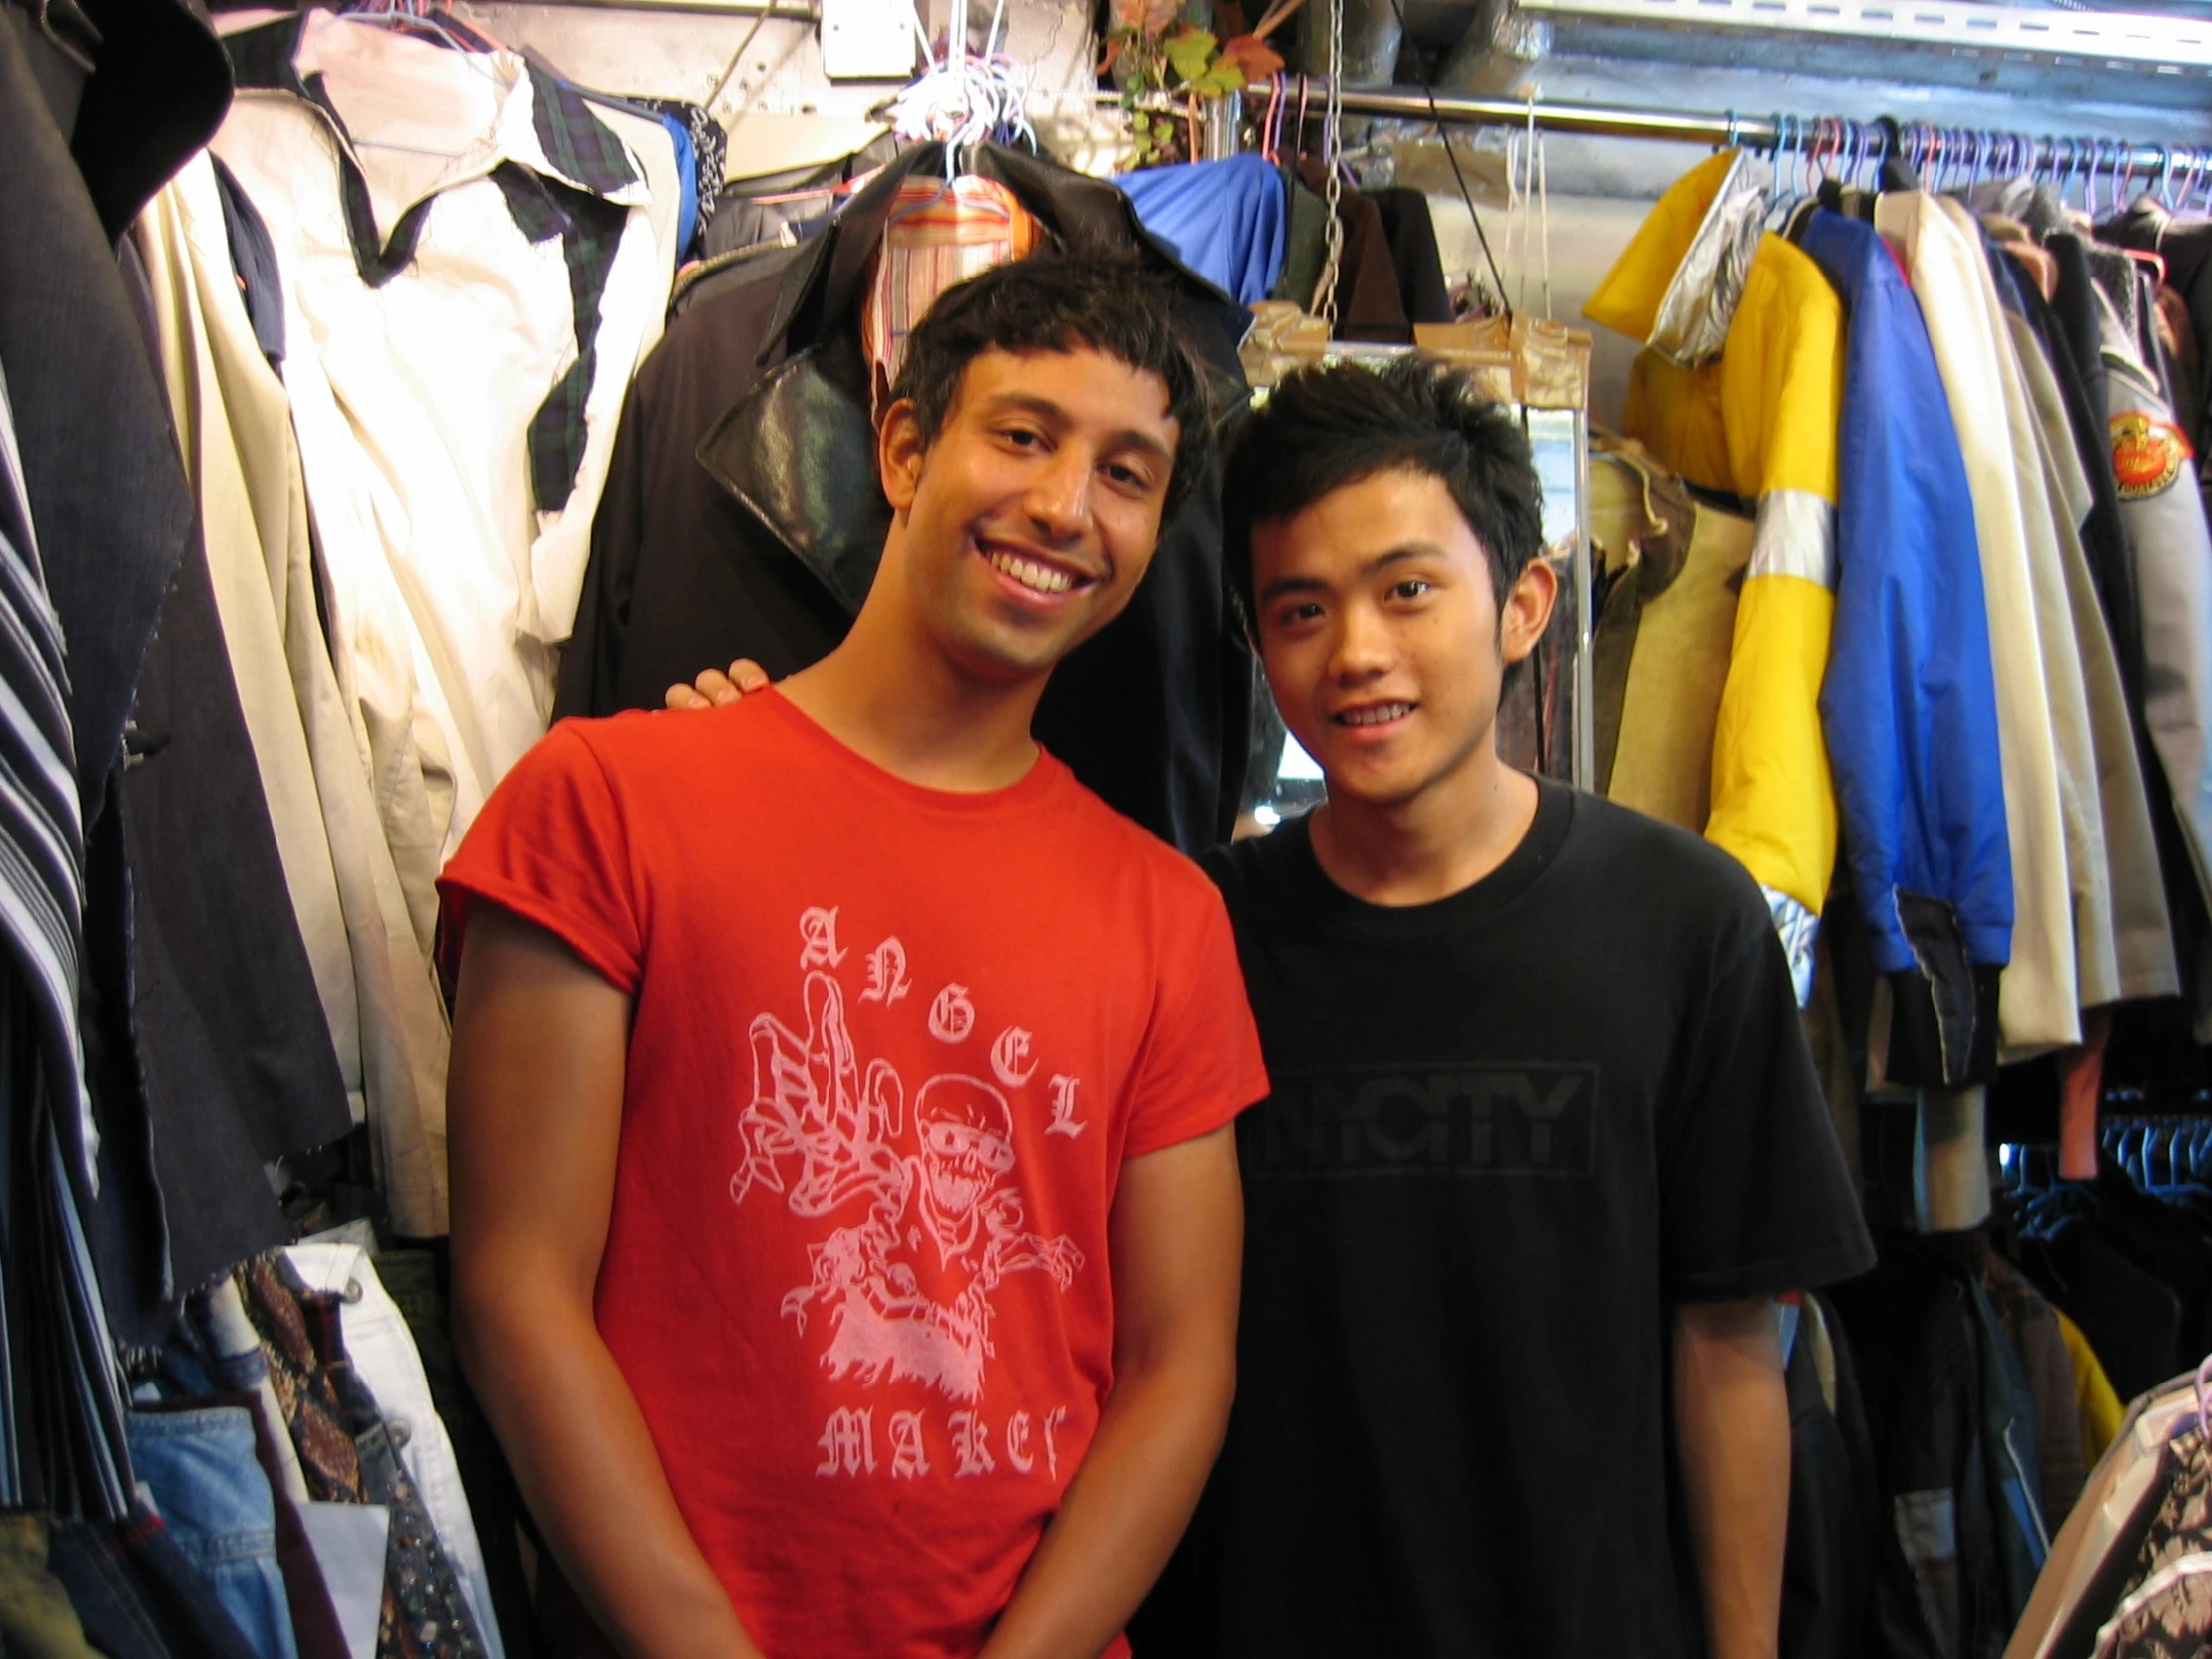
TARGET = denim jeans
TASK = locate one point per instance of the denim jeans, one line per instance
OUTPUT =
(208, 1485)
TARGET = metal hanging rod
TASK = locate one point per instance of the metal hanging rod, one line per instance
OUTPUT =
(1821, 135)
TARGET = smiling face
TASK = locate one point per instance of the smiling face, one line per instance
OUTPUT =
(1380, 626)
(1026, 525)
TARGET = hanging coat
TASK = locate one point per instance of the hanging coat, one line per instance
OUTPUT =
(1739, 389)
(2037, 1003)
(2097, 968)
(2170, 549)
(2142, 936)
(1909, 702)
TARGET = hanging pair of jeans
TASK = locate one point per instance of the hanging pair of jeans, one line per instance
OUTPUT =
(199, 1464)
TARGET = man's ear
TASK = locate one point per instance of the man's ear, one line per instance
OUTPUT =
(900, 448)
(1527, 609)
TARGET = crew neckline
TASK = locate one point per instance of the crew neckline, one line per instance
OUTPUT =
(1312, 894)
(1041, 779)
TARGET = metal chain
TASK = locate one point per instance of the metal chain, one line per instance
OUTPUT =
(1331, 145)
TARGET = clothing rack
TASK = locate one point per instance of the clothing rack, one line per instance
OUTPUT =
(1814, 138)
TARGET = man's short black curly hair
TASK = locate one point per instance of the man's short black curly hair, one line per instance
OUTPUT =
(1055, 302)
(1327, 427)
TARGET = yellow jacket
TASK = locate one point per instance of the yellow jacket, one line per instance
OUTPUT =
(1740, 388)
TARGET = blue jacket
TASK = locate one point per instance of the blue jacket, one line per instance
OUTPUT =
(1909, 705)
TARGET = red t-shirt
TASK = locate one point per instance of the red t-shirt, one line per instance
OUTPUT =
(890, 1046)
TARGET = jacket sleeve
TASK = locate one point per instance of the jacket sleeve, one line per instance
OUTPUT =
(1909, 704)
(1774, 806)
(1911, 699)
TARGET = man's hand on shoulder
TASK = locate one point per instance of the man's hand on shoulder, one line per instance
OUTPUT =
(714, 687)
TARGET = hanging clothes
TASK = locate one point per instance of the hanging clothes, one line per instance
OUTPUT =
(63, 1418)
(2037, 1002)
(662, 147)
(453, 454)
(939, 233)
(2172, 552)
(1226, 220)
(197, 1073)
(1369, 306)
(2099, 1406)
(1908, 706)
(2142, 935)
(2089, 864)
(234, 419)
(1410, 231)
(2031, 1327)
(1660, 642)
(1954, 1421)
(207, 1053)
(1739, 389)
(2186, 247)
(1304, 240)
(718, 542)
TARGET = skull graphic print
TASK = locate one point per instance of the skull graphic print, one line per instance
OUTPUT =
(929, 1220)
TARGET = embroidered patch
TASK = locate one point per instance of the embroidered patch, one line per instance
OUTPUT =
(2146, 454)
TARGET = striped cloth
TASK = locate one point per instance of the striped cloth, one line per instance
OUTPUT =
(63, 1411)
(42, 837)
(940, 232)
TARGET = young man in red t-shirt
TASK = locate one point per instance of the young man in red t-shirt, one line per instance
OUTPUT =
(845, 1223)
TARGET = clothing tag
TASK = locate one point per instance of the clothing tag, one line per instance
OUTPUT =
(2147, 453)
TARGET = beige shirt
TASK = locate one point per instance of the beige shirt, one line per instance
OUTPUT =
(313, 755)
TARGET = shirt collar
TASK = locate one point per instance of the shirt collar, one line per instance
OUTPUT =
(541, 124)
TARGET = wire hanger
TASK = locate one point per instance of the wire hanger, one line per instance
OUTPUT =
(966, 99)
(416, 20)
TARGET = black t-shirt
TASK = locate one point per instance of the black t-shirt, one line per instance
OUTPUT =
(1507, 1131)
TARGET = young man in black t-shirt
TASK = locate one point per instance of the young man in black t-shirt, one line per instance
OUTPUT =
(1544, 1137)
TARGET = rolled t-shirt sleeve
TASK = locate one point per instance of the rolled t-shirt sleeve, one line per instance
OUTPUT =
(552, 847)
(1754, 1197)
(1200, 1065)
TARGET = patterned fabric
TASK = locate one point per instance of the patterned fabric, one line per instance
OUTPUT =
(940, 232)
(319, 1422)
(591, 231)
(41, 839)
(710, 144)
(347, 1452)
(425, 1614)
(61, 1416)
(574, 141)
(2170, 1617)
(2183, 1526)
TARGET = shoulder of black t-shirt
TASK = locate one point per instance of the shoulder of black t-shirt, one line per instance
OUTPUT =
(1674, 867)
